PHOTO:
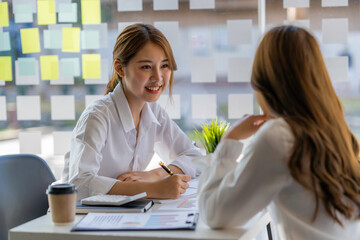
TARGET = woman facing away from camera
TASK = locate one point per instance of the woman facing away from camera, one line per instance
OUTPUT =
(116, 137)
(303, 161)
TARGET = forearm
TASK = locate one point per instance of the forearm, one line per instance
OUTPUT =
(131, 188)
(160, 173)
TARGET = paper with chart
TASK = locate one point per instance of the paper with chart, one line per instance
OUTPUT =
(190, 204)
(137, 221)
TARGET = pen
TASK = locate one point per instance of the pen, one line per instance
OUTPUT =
(166, 168)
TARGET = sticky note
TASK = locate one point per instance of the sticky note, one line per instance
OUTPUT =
(239, 105)
(5, 41)
(335, 30)
(62, 107)
(129, 6)
(30, 142)
(170, 30)
(123, 25)
(166, 4)
(23, 13)
(5, 68)
(172, 107)
(28, 107)
(62, 141)
(49, 67)
(203, 70)
(239, 31)
(202, 4)
(102, 28)
(30, 40)
(334, 3)
(91, 65)
(27, 71)
(70, 67)
(338, 68)
(90, 11)
(62, 81)
(90, 39)
(91, 98)
(3, 110)
(203, 106)
(4, 14)
(304, 23)
(46, 12)
(71, 39)
(68, 12)
(53, 39)
(104, 71)
(296, 3)
(26, 66)
(239, 69)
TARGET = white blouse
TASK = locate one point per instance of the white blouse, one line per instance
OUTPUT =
(231, 192)
(104, 145)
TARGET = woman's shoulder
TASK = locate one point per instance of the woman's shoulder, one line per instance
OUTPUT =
(277, 134)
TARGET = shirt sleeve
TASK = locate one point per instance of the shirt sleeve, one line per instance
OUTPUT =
(88, 139)
(230, 192)
(173, 145)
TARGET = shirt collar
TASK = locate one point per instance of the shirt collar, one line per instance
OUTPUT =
(123, 108)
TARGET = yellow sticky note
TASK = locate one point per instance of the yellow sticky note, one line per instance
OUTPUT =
(49, 67)
(4, 14)
(5, 69)
(30, 40)
(91, 65)
(90, 11)
(46, 12)
(71, 39)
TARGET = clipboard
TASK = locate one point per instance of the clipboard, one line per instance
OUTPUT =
(137, 221)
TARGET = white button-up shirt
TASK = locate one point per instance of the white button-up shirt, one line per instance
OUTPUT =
(104, 145)
(231, 193)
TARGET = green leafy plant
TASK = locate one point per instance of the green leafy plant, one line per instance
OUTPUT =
(211, 133)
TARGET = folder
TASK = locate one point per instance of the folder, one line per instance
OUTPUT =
(137, 221)
(137, 206)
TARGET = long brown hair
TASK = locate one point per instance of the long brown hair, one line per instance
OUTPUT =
(290, 72)
(128, 44)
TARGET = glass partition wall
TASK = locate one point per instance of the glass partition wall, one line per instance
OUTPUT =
(56, 58)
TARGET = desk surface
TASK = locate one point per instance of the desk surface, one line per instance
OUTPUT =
(43, 228)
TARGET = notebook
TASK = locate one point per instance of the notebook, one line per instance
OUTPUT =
(137, 206)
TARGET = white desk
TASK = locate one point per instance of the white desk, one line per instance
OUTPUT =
(43, 228)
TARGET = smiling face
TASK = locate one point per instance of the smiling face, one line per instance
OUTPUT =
(146, 76)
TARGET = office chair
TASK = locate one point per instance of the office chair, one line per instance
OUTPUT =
(23, 182)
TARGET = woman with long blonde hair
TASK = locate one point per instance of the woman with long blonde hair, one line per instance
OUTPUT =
(303, 161)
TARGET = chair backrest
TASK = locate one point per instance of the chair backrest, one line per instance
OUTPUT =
(23, 182)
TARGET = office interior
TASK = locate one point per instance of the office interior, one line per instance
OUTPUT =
(213, 43)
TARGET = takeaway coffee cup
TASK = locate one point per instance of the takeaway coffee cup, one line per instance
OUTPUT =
(62, 202)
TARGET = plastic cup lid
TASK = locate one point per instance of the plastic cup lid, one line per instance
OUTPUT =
(61, 189)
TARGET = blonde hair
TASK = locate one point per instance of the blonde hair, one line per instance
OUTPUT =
(128, 44)
(290, 72)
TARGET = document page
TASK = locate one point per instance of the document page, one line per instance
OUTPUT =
(137, 221)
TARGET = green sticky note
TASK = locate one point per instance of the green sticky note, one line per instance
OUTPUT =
(5, 41)
(70, 67)
(49, 67)
(46, 12)
(26, 66)
(5, 68)
(52, 39)
(30, 40)
(90, 11)
(23, 13)
(91, 65)
(68, 12)
(90, 39)
(71, 39)
(4, 14)
(23, 17)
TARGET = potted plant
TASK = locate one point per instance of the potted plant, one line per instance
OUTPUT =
(211, 133)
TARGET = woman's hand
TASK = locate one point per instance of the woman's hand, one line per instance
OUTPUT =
(170, 187)
(245, 127)
(138, 176)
